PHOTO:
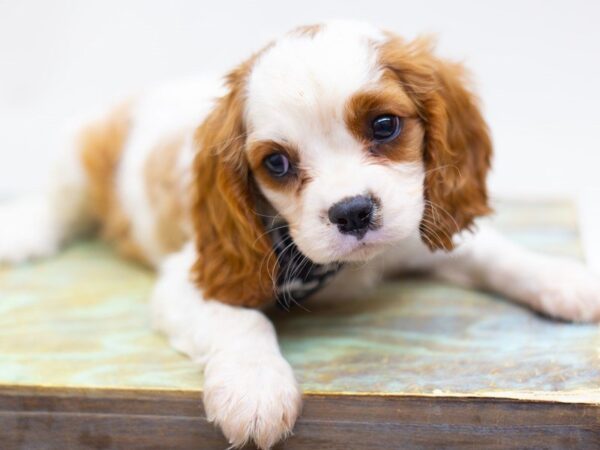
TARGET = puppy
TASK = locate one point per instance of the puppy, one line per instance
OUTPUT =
(332, 149)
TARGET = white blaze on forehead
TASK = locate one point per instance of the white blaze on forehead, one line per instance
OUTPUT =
(300, 85)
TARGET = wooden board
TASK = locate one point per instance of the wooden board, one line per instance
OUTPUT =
(418, 364)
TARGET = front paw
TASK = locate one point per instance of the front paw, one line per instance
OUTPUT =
(568, 290)
(252, 397)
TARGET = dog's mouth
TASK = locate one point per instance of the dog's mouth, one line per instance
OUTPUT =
(298, 276)
(359, 250)
(339, 248)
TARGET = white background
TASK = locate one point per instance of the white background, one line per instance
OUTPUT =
(536, 63)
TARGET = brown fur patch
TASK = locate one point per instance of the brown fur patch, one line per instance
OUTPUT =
(235, 262)
(101, 145)
(458, 147)
(364, 107)
(166, 193)
(258, 151)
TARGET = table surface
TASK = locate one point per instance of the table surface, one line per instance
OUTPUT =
(80, 321)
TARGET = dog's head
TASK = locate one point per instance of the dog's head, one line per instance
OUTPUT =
(355, 137)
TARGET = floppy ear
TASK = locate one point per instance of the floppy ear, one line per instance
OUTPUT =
(235, 262)
(457, 147)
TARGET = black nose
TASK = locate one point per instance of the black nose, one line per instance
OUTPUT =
(353, 215)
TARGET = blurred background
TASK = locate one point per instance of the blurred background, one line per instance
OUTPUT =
(536, 65)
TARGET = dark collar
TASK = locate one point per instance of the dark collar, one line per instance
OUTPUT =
(298, 277)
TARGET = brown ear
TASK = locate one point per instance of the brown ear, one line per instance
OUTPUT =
(235, 262)
(457, 147)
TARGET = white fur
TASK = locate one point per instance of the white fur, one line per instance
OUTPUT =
(557, 287)
(158, 114)
(22, 237)
(38, 224)
(249, 389)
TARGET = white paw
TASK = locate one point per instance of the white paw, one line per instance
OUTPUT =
(26, 231)
(251, 397)
(567, 290)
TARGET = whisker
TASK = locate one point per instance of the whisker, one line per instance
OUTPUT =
(306, 261)
(435, 205)
(428, 239)
(276, 216)
(428, 227)
(288, 276)
(434, 212)
(268, 231)
(267, 259)
(274, 266)
(433, 226)
(446, 166)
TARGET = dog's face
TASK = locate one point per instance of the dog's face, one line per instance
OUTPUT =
(335, 143)
(355, 137)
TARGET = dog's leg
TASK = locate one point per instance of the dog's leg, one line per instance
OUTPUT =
(38, 224)
(558, 287)
(249, 388)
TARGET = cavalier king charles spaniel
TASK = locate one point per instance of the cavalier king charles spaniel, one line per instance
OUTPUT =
(337, 155)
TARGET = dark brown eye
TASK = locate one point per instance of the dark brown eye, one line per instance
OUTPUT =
(277, 164)
(386, 128)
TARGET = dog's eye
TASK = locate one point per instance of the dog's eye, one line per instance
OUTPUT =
(386, 128)
(277, 164)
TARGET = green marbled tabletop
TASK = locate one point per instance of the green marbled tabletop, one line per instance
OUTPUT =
(80, 320)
